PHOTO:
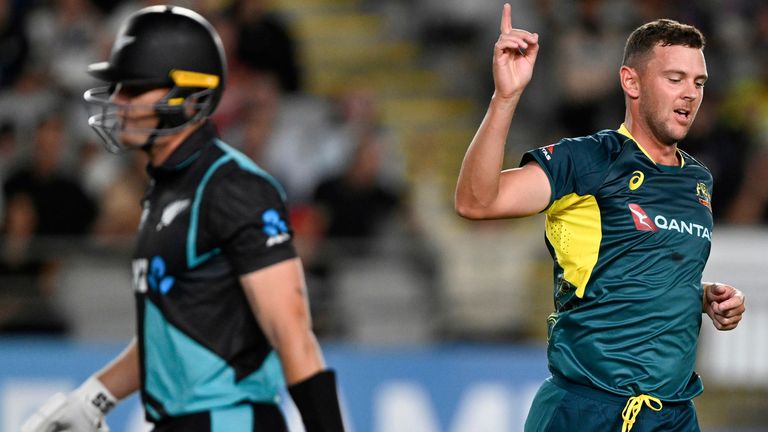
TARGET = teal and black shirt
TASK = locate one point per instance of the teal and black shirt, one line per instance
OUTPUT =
(210, 216)
(629, 239)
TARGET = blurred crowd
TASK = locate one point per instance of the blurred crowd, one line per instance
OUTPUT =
(342, 171)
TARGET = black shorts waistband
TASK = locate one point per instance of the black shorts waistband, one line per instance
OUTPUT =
(266, 416)
(602, 395)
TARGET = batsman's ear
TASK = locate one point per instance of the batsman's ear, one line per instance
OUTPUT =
(629, 81)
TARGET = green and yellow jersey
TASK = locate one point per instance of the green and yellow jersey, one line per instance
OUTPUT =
(629, 239)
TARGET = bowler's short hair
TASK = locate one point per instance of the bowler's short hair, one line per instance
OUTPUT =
(664, 32)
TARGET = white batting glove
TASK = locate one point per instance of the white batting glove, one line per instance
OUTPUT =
(83, 410)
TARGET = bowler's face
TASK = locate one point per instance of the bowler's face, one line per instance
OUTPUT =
(671, 90)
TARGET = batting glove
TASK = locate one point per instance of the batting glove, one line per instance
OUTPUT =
(82, 410)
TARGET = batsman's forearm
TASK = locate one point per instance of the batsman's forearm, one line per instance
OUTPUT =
(121, 376)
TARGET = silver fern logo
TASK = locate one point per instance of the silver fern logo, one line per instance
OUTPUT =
(170, 212)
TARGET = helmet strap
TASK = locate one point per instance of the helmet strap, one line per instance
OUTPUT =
(170, 115)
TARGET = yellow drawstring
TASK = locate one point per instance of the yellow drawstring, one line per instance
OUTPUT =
(632, 409)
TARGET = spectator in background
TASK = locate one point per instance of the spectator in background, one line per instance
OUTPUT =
(253, 135)
(31, 98)
(61, 205)
(44, 209)
(249, 106)
(64, 41)
(751, 204)
(119, 215)
(747, 109)
(351, 213)
(265, 43)
(14, 46)
(8, 149)
(588, 51)
(356, 204)
(27, 276)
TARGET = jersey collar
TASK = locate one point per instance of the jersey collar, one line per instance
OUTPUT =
(624, 131)
(188, 151)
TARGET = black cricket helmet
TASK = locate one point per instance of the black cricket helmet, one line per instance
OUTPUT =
(159, 47)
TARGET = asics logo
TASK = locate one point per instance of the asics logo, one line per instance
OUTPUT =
(636, 180)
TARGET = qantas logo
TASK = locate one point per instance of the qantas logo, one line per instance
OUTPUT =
(643, 222)
(547, 151)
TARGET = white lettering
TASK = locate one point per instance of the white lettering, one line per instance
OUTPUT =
(403, 406)
(485, 407)
(686, 227)
(280, 238)
(674, 226)
(407, 406)
(682, 227)
(140, 274)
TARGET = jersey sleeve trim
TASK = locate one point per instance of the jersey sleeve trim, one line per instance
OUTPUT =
(193, 259)
(533, 156)
(247, 164)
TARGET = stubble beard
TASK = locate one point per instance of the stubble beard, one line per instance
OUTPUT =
(659, 128)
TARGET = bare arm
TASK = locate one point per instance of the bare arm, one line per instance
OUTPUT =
(483, 190)
(277, 295)
(121, 376)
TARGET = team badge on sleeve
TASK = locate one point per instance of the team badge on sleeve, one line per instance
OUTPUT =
(702, 193)
(274, 227)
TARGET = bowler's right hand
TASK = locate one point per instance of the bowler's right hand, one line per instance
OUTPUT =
(513, 58)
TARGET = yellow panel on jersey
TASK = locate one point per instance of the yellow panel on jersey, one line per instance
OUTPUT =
(574, 230)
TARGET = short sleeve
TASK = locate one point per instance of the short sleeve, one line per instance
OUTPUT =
(573, 165)
(249, 220)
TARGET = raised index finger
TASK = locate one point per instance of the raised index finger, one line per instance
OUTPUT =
(506, 19)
